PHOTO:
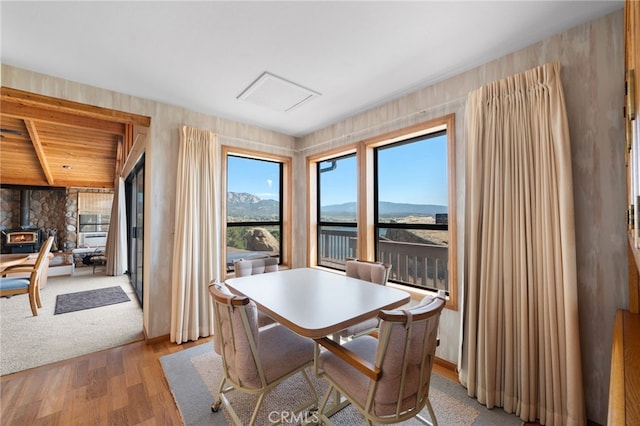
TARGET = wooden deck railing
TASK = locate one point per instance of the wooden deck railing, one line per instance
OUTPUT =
(420, 265)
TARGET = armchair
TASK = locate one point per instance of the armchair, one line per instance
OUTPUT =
(386, 379)
(10, 286)
(374, 272)
(255, 360)
(245, 267)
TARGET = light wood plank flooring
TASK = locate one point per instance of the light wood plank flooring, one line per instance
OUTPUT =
(119, 386)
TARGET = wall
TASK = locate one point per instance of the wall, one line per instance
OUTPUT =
(592, 61)
(591, 56)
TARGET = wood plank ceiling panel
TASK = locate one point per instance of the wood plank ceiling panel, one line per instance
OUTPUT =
(53, 142)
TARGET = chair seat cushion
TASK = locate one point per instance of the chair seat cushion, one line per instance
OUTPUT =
(367, 325)
(14, 283)
(283, 351)
(354, 383)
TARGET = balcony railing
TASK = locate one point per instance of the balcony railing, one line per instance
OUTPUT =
(418, 265)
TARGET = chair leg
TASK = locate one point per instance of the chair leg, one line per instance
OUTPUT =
(216, 404)
(38, 301)
(321, 414)
(255, 411)
(32, 301)
(434, 421)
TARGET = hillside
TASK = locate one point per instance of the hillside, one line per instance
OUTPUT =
(246, 206)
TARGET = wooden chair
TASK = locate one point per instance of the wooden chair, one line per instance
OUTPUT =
(386, 379)
(374, 272)
(10, 286)
(246, 267)
(255, 360)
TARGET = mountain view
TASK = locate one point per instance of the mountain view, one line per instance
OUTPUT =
(249, 207)
(387, 209)
(246, 207)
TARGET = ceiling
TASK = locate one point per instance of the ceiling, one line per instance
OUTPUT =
(48, 142)
(343, 57)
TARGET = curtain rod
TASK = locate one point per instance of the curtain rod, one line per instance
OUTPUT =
(254, 142)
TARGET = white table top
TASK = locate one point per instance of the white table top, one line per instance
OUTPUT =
(314, 302)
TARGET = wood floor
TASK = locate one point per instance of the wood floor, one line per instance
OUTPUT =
(120, 386)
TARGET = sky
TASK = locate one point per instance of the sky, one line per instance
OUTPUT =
(257, 177)
(414, 173)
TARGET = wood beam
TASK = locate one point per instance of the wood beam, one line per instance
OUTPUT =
(10, 95)
(137, 140)
(29, 112)
(37, 145)
(119, 160)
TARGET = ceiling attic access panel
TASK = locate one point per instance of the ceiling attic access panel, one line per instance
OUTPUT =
(51, 142)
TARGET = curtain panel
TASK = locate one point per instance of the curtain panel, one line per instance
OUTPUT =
(521, 345)
(116, 246)
(196, 239)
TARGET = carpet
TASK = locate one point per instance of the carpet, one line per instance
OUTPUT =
(29, 341)
(194, 375)
(72, 302)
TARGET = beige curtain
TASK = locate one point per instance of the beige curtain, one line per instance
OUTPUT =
(116, 247)
(521, 346)
(196, 242)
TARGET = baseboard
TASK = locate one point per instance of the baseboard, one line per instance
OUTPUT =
(154, 340)
(447, 365)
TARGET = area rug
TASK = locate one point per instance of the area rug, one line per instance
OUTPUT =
(72, 302)
(194, 375)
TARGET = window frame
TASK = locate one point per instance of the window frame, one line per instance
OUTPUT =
(285, 201)
(378, 224)
(366, 244)
(320, 223)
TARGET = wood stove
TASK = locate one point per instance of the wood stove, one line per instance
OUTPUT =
(22, 240)
(26, 238)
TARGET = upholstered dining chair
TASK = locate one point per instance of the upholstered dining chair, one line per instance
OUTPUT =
(375, 272)
(246, 267)
(30, 284)
(386, 379)
(255, 360)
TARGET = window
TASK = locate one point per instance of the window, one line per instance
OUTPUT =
(411, 210)
(94, 211)
(255, 206)
(94, 222)
(337, 220)
(398, 212)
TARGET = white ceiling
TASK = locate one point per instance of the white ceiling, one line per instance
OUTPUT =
(203, 55)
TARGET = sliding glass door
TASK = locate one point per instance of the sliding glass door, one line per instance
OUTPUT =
(135, 226)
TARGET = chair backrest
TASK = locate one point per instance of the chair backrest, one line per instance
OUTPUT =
(40, 261)
(236, 336)
(369, 271)
(405, 354)
(245, 267)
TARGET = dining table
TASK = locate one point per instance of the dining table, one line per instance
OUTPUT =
(315, 302)
(13, 259)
